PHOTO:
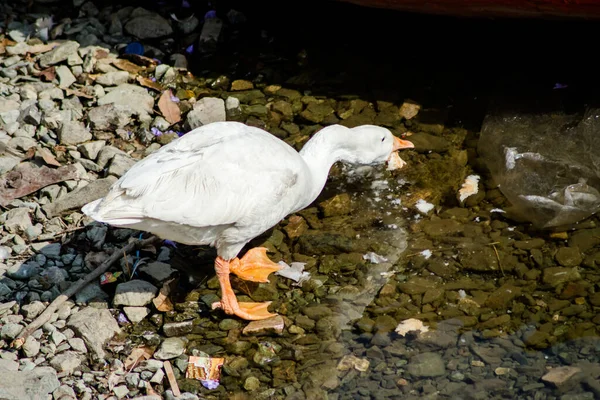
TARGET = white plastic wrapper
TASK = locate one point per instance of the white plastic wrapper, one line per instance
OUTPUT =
(547, 165)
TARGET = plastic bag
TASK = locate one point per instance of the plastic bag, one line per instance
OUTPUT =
(546, 164)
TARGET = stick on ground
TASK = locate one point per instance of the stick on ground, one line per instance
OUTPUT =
(76, 287)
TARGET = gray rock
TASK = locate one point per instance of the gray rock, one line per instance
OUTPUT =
(8, 162)
(33, 309)
(184, 396)
(51, 250)
(157, 271)
(64, 392)
(72, 132)
(426, 365)
(35, 384)
(206, 111)
(31, 347)
(79, 197)
(120, 391)
(23, 271)
(67, 362)
(136, 314)
(120, 164)
(106, 154)
(10, 331)
(22, 143)
(171, 329)
(93, 291)
(77, 344)
(113, 78)
(8, 365)
(135, 97)
(109, 116)
(31, 115)
(134, 293)
(65, 76)
(58, 54)
(148, 26)
(16, 220)
(96, 327)
(57, 337)
(97, 235)
(170, 348)
(91, 149)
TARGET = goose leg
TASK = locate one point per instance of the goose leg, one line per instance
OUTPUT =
(229, 303)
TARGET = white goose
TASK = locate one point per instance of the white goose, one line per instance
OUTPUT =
(225, 183)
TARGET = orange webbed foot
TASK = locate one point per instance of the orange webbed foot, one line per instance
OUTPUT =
(255, 266)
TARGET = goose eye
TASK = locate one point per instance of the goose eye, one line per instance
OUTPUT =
(383, 139)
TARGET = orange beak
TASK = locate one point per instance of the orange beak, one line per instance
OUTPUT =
(401, 144)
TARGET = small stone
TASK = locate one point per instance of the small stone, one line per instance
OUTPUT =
(409, 109)
(77, 344)
(10, 331)
(265, 326)
(558, 376)
(66, 361)
(170, 348)
(148, 26)
(206, 111)
(57, 337)
(134, 293)
(132, 97)
(158, 376)
(252, 383)
(65, 76)
(58, 54)
(64, 392)
(73, 133)
(90, 150)
(95, 326)
(157, 271)
(136, 314)
(120, 164)
(338, 205)
(33, 309)
(120, 391)
(426, 365)
(228, 324)
(178, 328)
(113, 78)
(31, 347)
(555, 276)
(241, 84)
(17, 220)
(568, 256)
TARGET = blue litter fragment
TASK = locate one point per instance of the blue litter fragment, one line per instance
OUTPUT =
(135, 48)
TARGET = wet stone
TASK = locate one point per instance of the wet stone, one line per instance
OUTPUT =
(555, 276)
(178, 328)
(503, 296)
(441, 227)
(134, 293)
(426, 365)
(529, 244)
(170, 348)
(568, 256)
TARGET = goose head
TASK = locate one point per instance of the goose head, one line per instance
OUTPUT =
(371, 144)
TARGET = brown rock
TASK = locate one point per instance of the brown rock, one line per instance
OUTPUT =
(560, 375)
(265, 326)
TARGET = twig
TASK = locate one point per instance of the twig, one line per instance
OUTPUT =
(498, 257)
(73, 289)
